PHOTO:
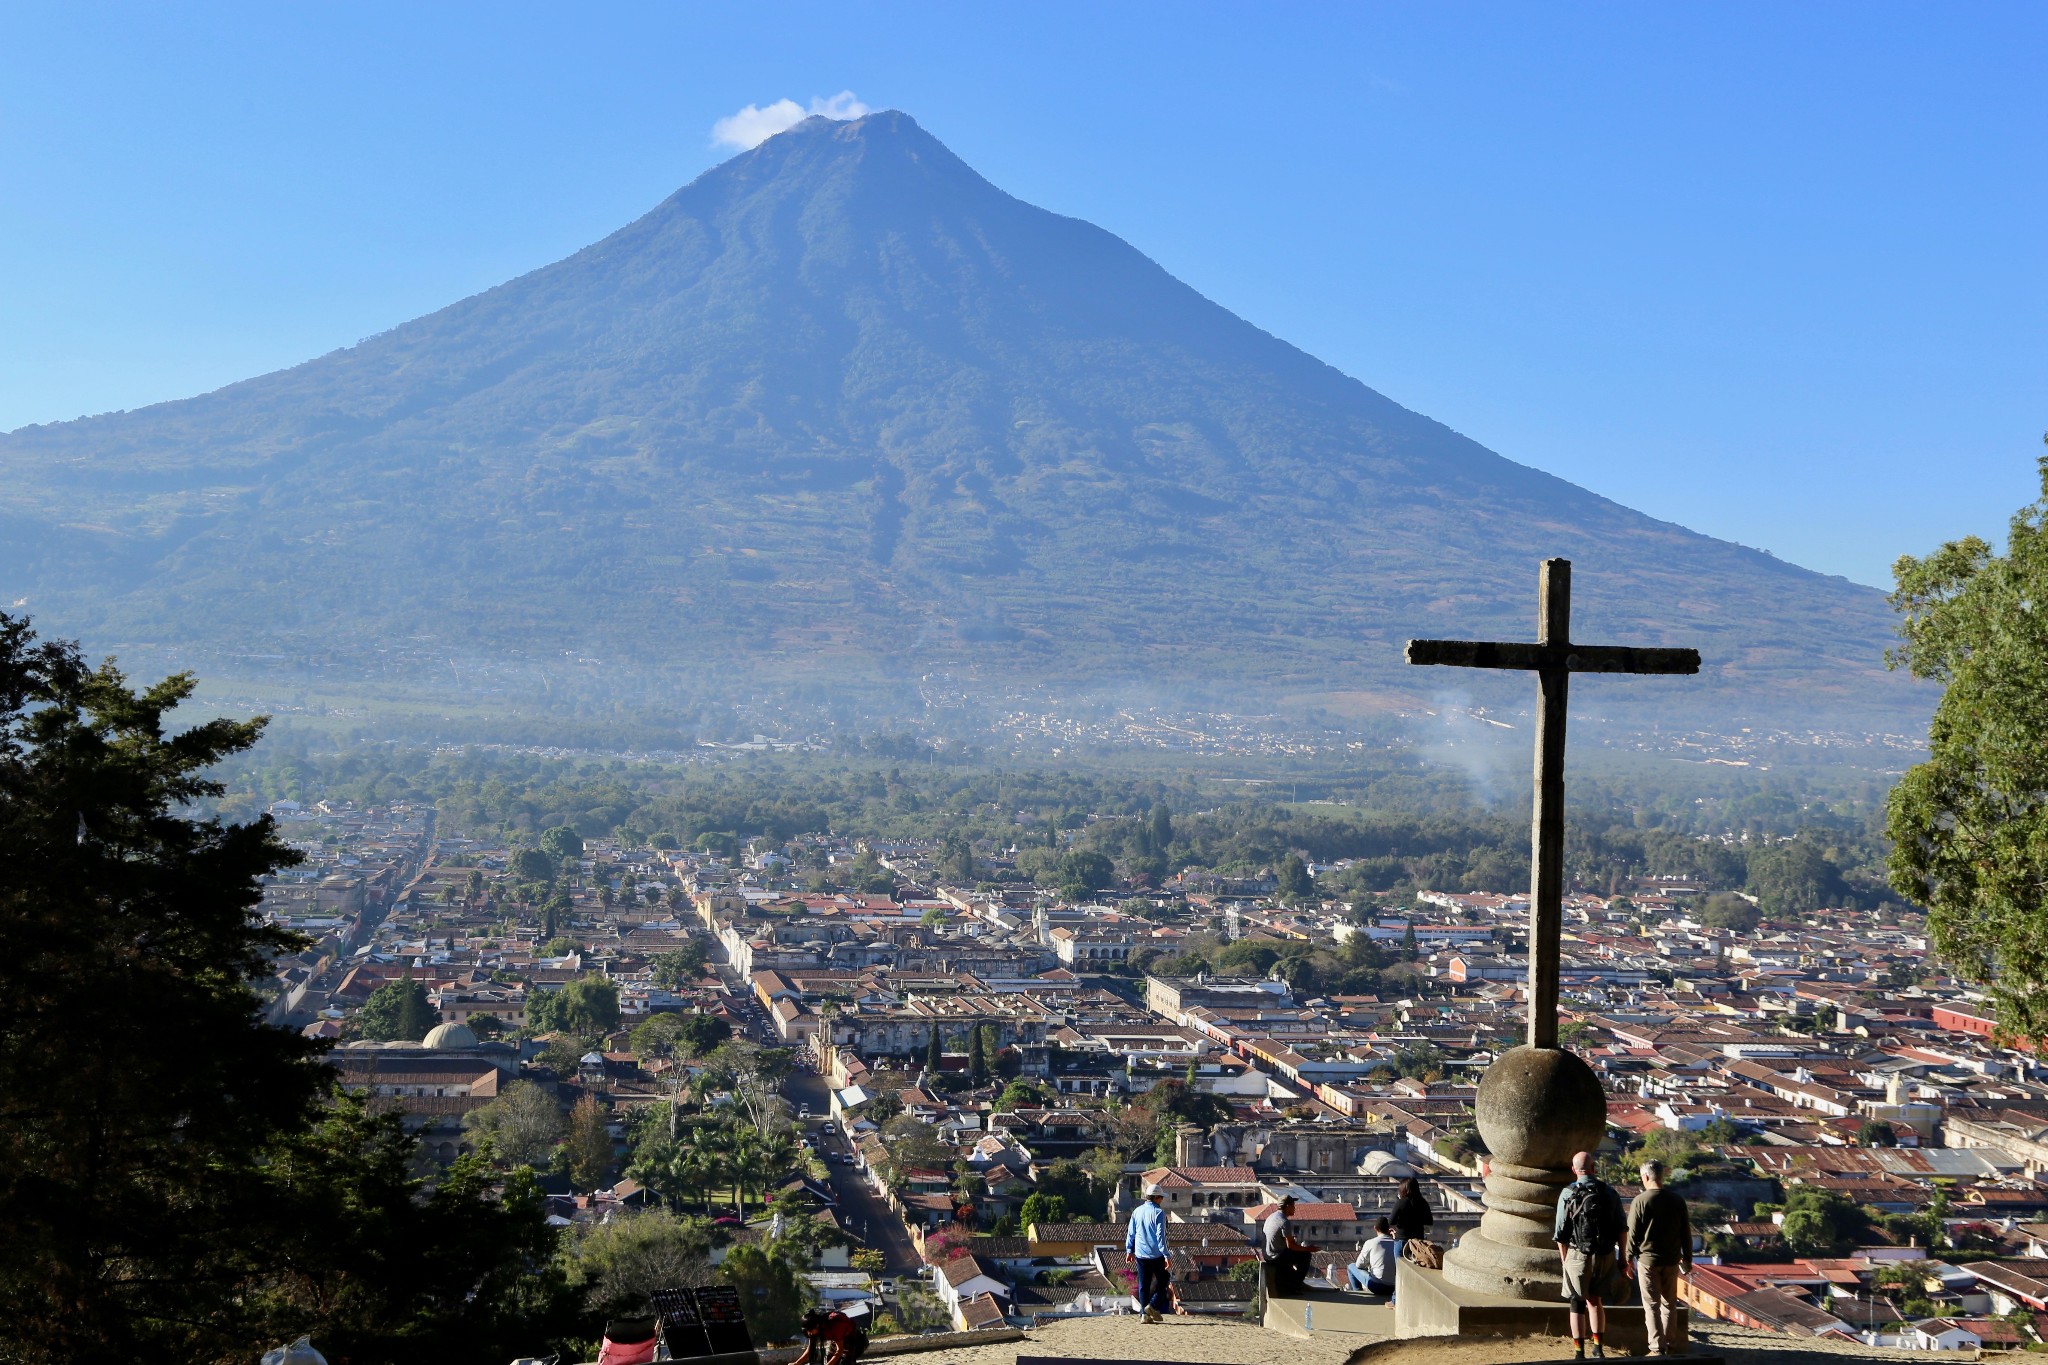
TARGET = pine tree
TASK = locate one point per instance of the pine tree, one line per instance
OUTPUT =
(1162, 827)
(178, 1184)
(977, 1054)
(934, 1054)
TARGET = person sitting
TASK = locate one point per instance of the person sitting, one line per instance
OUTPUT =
(1287, 1257)
(1373, 1271)
(1412, 1216)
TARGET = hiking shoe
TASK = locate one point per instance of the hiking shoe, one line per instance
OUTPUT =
(1152, 1315)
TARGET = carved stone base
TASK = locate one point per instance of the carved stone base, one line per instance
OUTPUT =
(1510, 1252)
(1536, 1107)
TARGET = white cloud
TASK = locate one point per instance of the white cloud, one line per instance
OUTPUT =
(756, 123)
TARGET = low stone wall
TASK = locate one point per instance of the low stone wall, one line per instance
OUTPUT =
(900, 1345)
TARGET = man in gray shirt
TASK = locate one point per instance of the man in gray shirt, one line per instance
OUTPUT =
(1287, 1258)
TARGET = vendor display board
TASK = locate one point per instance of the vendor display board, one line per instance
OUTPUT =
(682, 1330)
(725, 1325)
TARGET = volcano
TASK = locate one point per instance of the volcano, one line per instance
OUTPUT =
(841, 414)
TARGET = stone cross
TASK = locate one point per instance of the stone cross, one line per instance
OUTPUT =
(1553, 658)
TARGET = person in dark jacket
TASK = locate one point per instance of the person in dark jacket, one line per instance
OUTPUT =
(1411, 1217)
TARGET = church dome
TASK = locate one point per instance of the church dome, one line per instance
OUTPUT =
(449, 1035)
(1386, 1164)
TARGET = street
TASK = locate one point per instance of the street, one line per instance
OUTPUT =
(861, 1209)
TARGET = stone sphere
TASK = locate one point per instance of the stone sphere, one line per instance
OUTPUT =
(1539, 1105)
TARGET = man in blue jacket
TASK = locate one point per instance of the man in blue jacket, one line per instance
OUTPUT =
(1145, 1244)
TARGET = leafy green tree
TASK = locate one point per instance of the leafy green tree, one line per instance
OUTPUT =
(1246, 957)
(1043, 1208)
(1419, 1061)
(562, 843)
(702, 1034)
(773, 1292)
(1795, 878)
(590, 1145)
(356, 1250)
(679, 966)
(1019, 1094)
(524, 1124)
(910, 1143)
(1292, 876)
(1083, 872)
(656, 1036)
(955, 858)
(1727, 911)
(1876, 1133)
(934, 1051)
(617, 1264)
(1808, 1233)
(754, 1074)
(1969, 827)
(869, 876)
(585, 1008)
(397, 1011)
(1821, 1222)
(1174, 1101)
(533, 865)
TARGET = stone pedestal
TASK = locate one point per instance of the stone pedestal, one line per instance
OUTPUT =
(1428, 1304)
(1536, 1107)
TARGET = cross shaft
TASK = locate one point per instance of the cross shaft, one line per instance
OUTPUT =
(1553, 659)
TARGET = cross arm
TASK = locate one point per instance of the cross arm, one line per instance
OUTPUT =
(1571, 658)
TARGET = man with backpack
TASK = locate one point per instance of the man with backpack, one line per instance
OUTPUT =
(1588, 1233)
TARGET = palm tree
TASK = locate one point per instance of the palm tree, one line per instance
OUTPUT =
(778, 1156)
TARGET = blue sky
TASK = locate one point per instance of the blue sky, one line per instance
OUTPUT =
(1774, 272)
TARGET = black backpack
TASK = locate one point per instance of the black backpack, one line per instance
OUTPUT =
(1592, 1217)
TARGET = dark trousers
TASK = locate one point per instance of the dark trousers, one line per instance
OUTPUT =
(1153, 1290)
(1285, 1273)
